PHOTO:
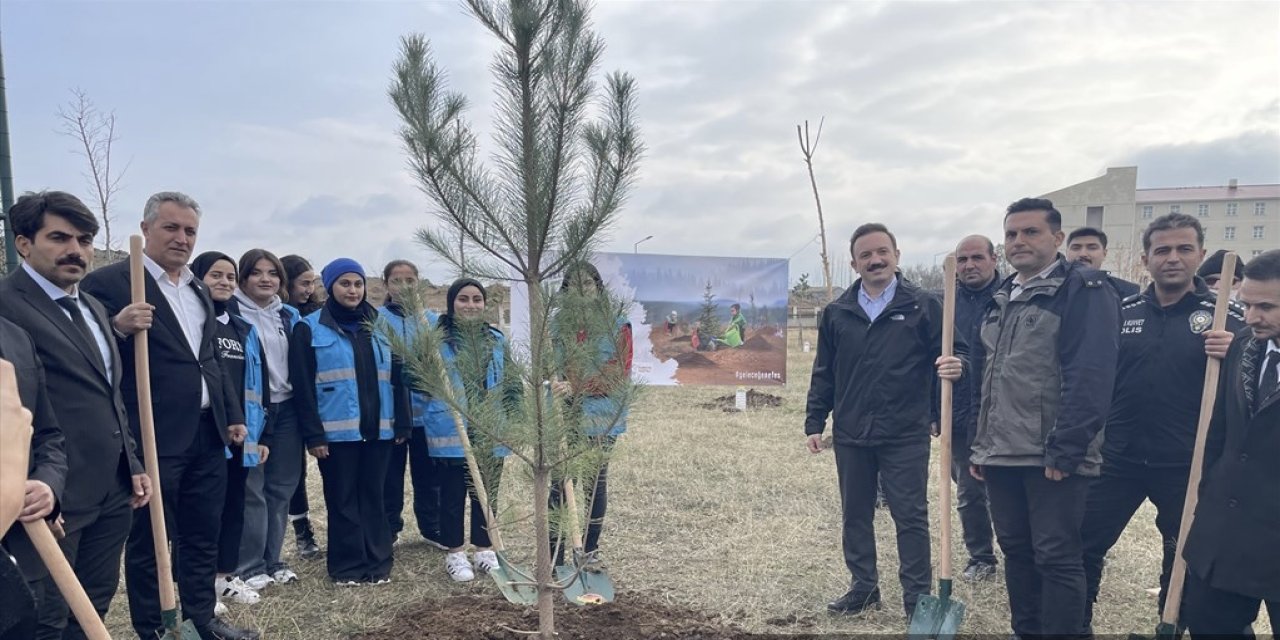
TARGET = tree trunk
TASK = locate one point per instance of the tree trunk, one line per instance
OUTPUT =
(542, 568)
(822, 229)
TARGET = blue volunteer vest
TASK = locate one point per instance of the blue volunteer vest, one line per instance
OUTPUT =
(606, 415)
(407, 329)
(442, 434)
(337, 393)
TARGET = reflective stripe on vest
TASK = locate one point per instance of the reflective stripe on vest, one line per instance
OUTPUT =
(338, 393)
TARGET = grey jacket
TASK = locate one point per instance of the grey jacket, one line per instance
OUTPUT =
(1047, 362)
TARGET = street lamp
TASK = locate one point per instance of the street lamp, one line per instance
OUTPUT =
(636, 246)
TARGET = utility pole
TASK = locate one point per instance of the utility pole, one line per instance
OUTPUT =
(6, 176)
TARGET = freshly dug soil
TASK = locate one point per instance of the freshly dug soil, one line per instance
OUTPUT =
(757, 343)
(694, 359)
(755, 400)
(475, 617)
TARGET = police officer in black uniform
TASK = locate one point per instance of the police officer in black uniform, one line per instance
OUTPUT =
(1151, 430)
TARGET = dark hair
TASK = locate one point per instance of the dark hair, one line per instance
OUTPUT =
(27, 214)
(249, 261)
(736, 306)
(294, 266)
(1088, 232)
(579, 269)
(386, 271)
(868, 229)
(456, 288)
(1169, 222)
(1052, 216)
(1264, 266)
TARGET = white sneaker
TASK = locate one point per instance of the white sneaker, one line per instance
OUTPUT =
(219, 609)
(459, 567)
(259, 582)
(284, 575)
(236, 590)
(486, 561)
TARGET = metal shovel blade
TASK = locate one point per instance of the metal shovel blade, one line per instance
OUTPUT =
(516, 586)
(585, 587)
(175, 631)
(937, 616)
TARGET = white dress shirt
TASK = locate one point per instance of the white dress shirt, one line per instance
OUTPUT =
(56, 294)
(187, 306)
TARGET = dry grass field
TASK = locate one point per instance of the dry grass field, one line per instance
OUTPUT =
(722, 512)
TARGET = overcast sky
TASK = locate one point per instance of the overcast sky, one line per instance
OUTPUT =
(274, 115)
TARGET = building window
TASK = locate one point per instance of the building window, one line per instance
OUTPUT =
(1229, 233)
(1202, 210)
(1148, 211)
(1257, 232)
(1231, 208)
(1259, 208)
(1175, 208)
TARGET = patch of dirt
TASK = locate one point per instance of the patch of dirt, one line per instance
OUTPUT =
(694, 359)
(475, 617)
(755, 400)
(757, 343)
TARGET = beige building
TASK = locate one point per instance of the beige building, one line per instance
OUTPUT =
(1240, 217)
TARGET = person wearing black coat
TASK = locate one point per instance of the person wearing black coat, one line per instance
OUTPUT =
(1231, 551)
(878, 347)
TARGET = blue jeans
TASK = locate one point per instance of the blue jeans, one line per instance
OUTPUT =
(267, 492)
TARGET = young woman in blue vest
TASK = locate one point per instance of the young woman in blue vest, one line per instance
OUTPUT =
(268, 488)
(351, 405)
(304, 296)
(465, 304)
(594, 393)
(402, 275)
(244, 363)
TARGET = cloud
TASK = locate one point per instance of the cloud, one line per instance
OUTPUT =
(1252, 157)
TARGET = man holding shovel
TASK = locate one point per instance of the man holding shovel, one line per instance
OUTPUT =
(1230, 551)
(1047, 354)
(878, 346)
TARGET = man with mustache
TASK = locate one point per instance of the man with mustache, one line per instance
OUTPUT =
(878, 347)
(1088, 246)
(195, 408)
(1232, 566)
(1151, 430)
(1047, 357)
(105, 481)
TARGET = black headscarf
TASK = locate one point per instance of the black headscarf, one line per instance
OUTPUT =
(352, 320)
(201, 266)
(447, 319)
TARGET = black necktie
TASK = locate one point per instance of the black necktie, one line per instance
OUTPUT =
(77, 318)
(1270, 379)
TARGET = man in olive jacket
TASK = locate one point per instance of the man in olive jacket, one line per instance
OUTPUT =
(1232, 559)
(1047, 356)
(878, 346)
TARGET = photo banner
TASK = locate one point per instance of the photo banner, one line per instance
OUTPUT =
(694, 319)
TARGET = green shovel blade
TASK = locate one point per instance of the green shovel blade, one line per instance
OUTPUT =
(175, 631)
(585, 587)
(516, 586)
(937, 616)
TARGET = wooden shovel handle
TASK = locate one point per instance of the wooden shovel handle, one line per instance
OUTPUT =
(42, 539)
(571, 502)
(1208, 396)
(477, 481)
(142, 367)
(944, 417)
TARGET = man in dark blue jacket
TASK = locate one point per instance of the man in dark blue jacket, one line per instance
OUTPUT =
(878, 346)
(1151, 431)
(1088, 246)
(1047, 357)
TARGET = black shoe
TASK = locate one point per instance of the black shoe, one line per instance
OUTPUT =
(218, 629)
(854, 603)
(305, 539)
(978, 571)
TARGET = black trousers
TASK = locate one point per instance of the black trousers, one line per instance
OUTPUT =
(232, 513)
(598, 499)
(971, 504)
(93, 550)
(425, 480)
(1215, 613)
(298, 504)
(1113, 499)
(1037, 523)
(193, 486)
(359, 538)
(455, 493)
(904, 473)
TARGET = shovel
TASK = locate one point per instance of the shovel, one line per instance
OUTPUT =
(940, 616)
(141, 356)
(516, 585)
(1168, 629)
(582, 585)
(42, 539)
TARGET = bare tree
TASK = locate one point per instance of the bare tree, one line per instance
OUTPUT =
(95, 132)
(808, 148)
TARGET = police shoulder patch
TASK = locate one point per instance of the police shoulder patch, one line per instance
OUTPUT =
(1200, 321)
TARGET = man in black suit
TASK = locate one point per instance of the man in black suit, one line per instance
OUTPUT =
(47, 470)
(195, 411)
(54, 235)
(1232, 562)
